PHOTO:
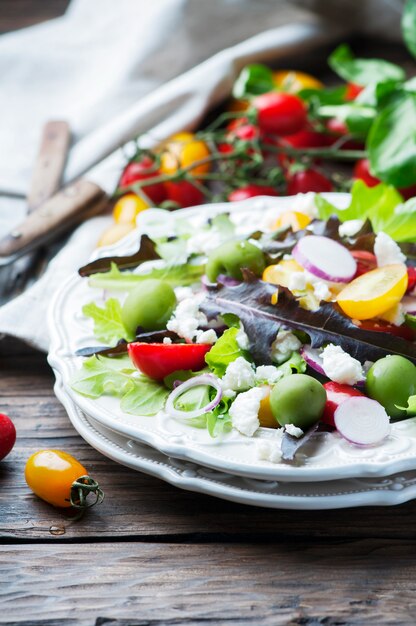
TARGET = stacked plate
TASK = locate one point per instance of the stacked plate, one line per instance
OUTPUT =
(327, 473)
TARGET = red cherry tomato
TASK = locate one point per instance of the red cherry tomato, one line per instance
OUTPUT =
(353, 90)
(308, 180)
(336, 394)
(280, 113)
(411, 279)
(143, 170)
(362, 171)
(241, 129)
(379, 326)
(307, 138)
(158, 360)
(251, 191)
(366, 261)
(184, 193)
(7, 435)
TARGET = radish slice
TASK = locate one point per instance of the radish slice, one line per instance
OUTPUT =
(313, 358)
(204, 379)
(325, 258)
(409, 305)
(362, 421)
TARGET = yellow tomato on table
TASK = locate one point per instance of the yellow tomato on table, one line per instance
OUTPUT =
(182, 150)
(294, 81)
(50, 474)
(375, 292)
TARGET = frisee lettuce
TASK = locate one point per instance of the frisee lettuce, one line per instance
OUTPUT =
(108, 325)
(100, 376)
(382, 205)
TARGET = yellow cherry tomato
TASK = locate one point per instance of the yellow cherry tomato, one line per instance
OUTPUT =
(182, 150)
(280, 273)
(114, 233)
(294, 219)
(294, 81)
(127, 208)
(265, 415)
(50, 474)
(375, 292)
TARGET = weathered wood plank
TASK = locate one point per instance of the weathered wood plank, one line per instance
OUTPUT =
(292, 583)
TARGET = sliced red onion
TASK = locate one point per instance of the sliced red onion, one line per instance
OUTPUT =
(228, 281)
(409, 305)
(313, 358)
(203, 379)
(325, 258)
(362, 421)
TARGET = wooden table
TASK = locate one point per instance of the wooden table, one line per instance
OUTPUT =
(155, 555)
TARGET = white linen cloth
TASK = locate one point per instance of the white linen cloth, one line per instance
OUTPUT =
(91, 67)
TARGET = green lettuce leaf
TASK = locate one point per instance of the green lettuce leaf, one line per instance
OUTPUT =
(224, 351)
(99, 376)
(382, 205)
(116, 377)
(175, 275)
(108, 326)
(362, 71)
(295, 363)
(411, 406)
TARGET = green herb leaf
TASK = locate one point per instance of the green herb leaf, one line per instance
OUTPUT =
(382, 205)
(253, 80)
(362, 71)
(108, 326)
(224, 351)
(294, 363)
(100, 375)
(358, 117)
(409, 26)
(392, 141)
(175, 275)
(411, 406)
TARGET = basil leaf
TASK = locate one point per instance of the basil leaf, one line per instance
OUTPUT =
(358, 117)
(392, 142)
(409, 26)
(362, 71)
(108, 325)
(254, 80)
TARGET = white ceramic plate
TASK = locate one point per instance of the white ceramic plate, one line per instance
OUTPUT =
(335, 494)
(326, 457)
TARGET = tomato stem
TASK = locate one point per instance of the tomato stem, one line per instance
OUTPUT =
(80, 490)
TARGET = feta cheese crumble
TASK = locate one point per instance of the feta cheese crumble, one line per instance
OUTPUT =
(242, 339)
(340, 367)
(267, 374)
(239, 376)
(387, 251)
(270, 449)
(204, 242)
(293, 430)
(297, 281)
(245, 409)
(350, 228)
(187, 318)
(283, 346)
(305, 203)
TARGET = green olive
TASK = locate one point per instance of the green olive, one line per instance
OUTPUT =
(391, 381)
(231, 256)
(298, 399)
(149, 305)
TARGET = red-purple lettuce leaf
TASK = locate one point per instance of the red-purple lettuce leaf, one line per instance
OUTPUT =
(252, 300)
(146, 252)
(290, 445)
